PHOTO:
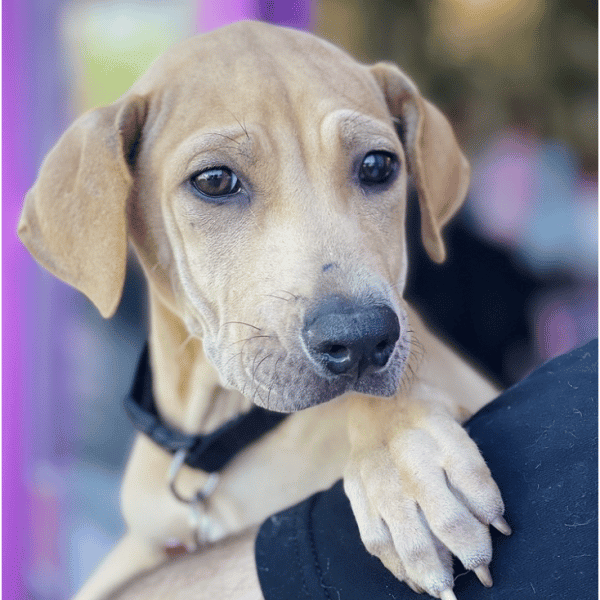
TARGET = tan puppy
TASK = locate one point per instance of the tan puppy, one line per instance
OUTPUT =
(260, 174)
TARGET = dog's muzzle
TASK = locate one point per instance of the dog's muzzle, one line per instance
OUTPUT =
(344, 338)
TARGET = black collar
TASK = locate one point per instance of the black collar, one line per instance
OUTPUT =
(210, 452)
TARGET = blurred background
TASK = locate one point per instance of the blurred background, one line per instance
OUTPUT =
(518, 80)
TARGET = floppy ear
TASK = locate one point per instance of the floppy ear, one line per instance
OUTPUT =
(440, 170)
(74, 219)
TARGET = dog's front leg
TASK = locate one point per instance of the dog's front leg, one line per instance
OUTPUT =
(420, 491)
(130, 557)
(150, 508)
(155, 519)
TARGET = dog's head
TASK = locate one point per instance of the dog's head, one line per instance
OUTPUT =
(260, 174)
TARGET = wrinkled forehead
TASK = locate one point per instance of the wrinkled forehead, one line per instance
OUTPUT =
(255, 73)
(247, 143)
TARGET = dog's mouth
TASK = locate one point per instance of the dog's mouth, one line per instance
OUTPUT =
(343, 347)
(281, 390)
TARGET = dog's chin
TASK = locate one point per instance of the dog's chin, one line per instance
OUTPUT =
(315, 389)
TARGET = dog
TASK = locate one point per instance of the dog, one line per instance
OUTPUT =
(260, 175)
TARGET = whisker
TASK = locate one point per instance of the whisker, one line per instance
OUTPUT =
(407, 377)
(227, 137)
(245, 341)
(273, 378)
(244, 129)
(233, 356)
(293, 296)
(240, 323)
(252, 337)
(252, 370)
(278, 297)
(256, 220)
(244, 346)
(258, 365)
(257, 394)
(255, 369)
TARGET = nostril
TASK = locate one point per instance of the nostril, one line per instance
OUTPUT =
(382, 353)
(337, 351)
(336, 358)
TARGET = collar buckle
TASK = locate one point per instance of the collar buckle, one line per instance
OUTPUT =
(200, 522)
(203, 494)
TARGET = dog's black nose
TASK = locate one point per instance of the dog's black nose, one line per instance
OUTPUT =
(343, 336)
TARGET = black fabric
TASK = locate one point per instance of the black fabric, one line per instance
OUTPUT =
(479, 299)
(540, 440)
(210, 452)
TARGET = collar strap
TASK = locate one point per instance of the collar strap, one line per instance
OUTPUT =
(209, 452)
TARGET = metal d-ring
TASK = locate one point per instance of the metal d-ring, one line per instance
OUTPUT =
(202, 494)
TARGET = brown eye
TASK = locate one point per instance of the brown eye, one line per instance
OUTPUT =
(377, 168)
(217, 182)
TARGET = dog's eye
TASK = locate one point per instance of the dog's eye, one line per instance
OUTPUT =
(216, 182)
(377, 167)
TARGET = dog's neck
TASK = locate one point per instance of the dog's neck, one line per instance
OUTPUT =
(186, 386)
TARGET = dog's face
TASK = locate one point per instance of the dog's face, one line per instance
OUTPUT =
(266, 203)
(277, 193)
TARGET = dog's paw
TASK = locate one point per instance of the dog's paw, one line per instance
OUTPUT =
(421, 492)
